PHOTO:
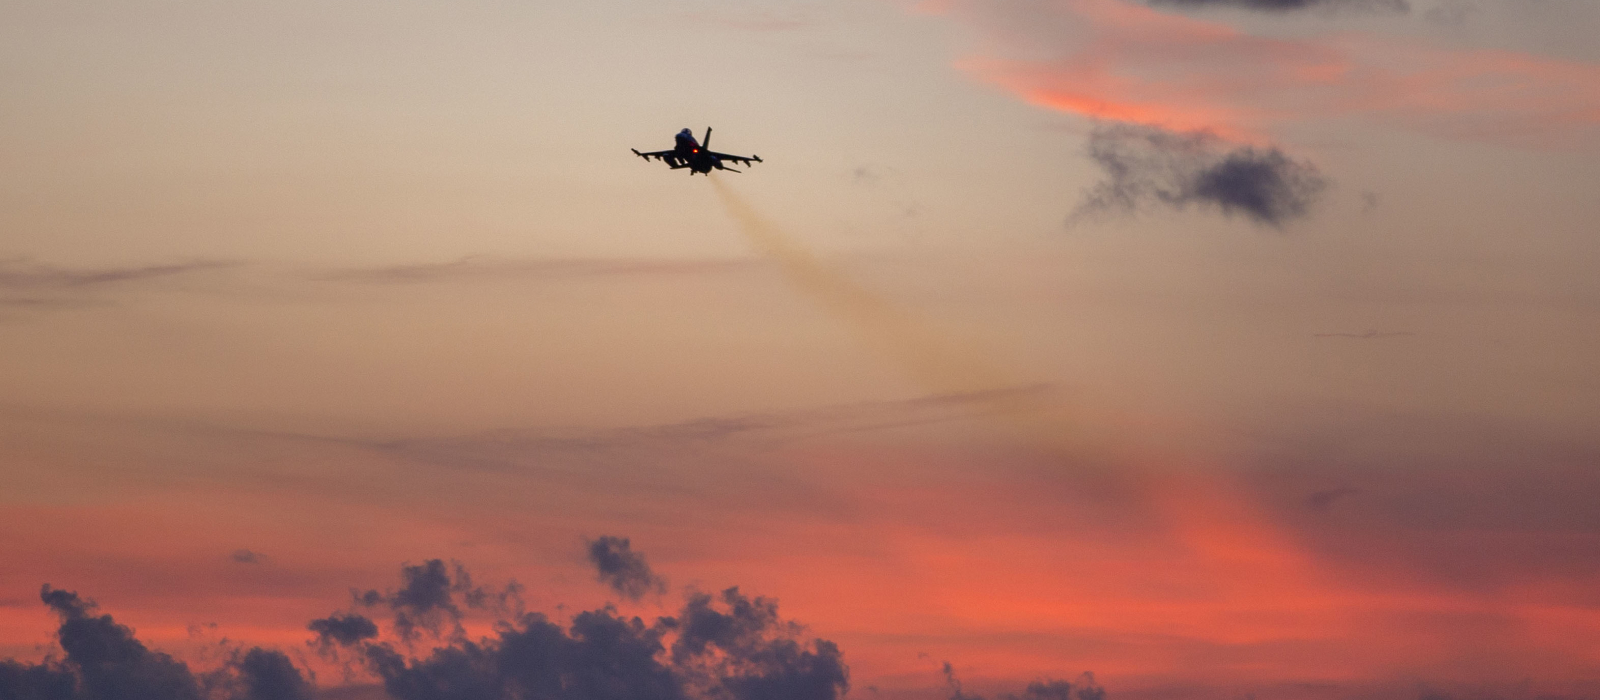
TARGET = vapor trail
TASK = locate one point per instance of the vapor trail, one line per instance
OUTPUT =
(1209, 515)
(930, 359)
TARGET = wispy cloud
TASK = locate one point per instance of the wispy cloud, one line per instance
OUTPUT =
(503, 449)
(28, 286)
(1369, 335)
(490, 267)
(45, 303)
(26, 275)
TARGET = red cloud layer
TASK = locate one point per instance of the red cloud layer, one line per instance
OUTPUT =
(1123, 61)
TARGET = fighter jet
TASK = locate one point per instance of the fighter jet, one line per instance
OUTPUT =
(695, 156)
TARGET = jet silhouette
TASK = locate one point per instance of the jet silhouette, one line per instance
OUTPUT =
(697, 157)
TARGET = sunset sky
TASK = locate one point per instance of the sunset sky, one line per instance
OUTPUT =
(1220, 349)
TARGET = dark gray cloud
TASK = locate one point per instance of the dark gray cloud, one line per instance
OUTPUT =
(104, 661)
(623, 569)
(1146, 167)
(245, 556)
(426, 599)
(723, 647)
(1084, 688)
(742, 645)
(343, 630)
(954, 683)
(267, 674)
(600, 657)
(1292, 5)
(109, 662)
(46, 681)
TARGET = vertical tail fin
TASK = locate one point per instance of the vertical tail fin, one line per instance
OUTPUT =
(706, 144)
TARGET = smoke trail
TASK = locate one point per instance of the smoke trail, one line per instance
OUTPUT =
(930, 358)
(1209, 514)
(927, 357)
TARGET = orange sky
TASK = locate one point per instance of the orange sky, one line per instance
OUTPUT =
(990, 362)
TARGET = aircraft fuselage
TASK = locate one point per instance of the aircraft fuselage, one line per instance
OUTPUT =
(689, 153)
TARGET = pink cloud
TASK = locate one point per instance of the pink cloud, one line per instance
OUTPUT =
(1122, 61)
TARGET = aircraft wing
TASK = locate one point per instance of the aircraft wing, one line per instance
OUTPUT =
(737, 159)
(658, 155)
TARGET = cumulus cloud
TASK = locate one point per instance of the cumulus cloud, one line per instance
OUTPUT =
(104, 661)
(344, 630)
(426, 599)
(727, 646)
(722, 646)
(1084, 688)
(741, 645)
(266, 674)
(108, 661)
(1147, 166)
(623, 569)
(601, 656)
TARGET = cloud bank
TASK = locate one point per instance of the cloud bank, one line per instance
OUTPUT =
(722, 646)
(727, 646)
(104, 661)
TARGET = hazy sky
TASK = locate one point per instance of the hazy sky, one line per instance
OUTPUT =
(1217, 348)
